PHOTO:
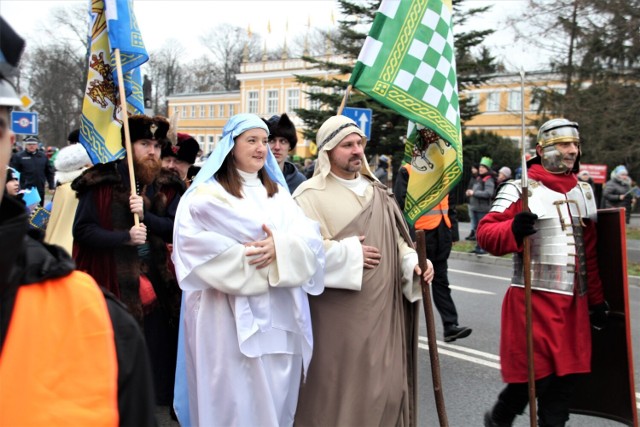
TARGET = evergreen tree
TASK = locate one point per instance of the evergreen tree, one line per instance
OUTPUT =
(388, 129)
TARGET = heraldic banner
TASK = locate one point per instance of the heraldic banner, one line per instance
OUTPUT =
(407, 63)
(113, 26)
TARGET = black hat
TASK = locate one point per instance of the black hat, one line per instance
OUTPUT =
(283, 127)
(145, 127)
(186, 149)
(11, 174)
(74, 136)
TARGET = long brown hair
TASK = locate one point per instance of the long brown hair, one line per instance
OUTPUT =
(231, 180)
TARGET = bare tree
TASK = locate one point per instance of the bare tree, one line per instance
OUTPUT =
(229, 45)
(167, 73)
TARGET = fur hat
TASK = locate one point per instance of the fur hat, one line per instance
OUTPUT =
(186, 149)
(70, 162)
(283, 127)
(145, 127)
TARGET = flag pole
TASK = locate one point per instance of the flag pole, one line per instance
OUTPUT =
(526, 267)
(344, 99)
(421, 248)
(125, 123)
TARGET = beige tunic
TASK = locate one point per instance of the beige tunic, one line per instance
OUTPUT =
(362, 370)
(63, 211)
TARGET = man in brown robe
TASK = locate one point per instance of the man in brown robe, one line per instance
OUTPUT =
(365, 323)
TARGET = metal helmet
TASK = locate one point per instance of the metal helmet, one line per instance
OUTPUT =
(557, 131)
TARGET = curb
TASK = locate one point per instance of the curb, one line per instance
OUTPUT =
(506, 262)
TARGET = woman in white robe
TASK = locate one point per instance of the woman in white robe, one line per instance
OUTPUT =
(246, 263)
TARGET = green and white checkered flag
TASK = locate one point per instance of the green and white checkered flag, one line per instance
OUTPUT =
(408, 64)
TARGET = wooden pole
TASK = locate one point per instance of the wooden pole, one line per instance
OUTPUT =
(421, 248)
(125, 123)
(526, 267)
(344, 99)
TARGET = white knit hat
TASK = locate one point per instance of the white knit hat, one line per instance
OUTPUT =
(70, 162)
(505, 171)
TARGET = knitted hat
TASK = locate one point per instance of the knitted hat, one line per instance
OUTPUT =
(145, 127)
(283, 127)
(486, 162)
(505, 171)
(620, 170)
(186, 149)
(70, 162)
(12, 174)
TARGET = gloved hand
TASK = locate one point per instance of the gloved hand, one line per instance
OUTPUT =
(523, 225)
(598, 315)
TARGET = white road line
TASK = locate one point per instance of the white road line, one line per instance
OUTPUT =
(463, 357)
(464, 349)
(456, 349)
(471, 290)
(488, 276)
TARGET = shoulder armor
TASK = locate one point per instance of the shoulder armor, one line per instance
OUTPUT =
(508, 193)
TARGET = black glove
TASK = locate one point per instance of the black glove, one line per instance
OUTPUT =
(523, 225)
(598, 315)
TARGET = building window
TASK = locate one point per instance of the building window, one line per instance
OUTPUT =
(493, 101)
(252, 102)
(272, 102)
(474, 99)
(175, 110)
(193, 111)
(201, 142)
(534, 102)
(515, 100)
(293, 100)
(202, 112)
(184, 111)
(211, 143)
(314, 104)
(221, 110)
(232, 110)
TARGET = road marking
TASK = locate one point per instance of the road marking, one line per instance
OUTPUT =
(488, 276)
(457, 352)
(463, 357)
(470, 290)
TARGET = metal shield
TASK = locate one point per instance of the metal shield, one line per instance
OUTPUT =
(609, 391)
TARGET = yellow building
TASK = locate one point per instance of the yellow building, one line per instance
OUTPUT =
(499, 103)
(270, 87)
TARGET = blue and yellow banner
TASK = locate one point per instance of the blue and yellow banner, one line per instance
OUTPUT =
(407, 63)
(113, 26)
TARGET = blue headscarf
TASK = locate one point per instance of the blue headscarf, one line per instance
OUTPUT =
(235, 126)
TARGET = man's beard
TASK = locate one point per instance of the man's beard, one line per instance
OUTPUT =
(146, 169)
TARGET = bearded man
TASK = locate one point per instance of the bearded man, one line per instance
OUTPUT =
(131, 260)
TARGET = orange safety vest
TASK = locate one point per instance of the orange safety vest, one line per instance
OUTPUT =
(431, 220)
(58, 366)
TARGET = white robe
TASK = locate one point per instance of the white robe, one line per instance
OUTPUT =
(247, 332)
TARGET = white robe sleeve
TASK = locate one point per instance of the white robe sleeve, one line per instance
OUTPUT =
(228, 272)
(344, 264)
(295, 262)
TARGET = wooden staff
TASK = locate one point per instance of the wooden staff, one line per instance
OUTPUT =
(421, 248)
(344, 99)
(526, 268)
(125, 123)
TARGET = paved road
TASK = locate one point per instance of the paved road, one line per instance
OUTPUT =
(470, 367)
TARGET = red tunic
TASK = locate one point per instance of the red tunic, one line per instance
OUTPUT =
(561, 328)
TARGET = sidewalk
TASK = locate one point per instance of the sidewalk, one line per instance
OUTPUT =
(465, 227)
